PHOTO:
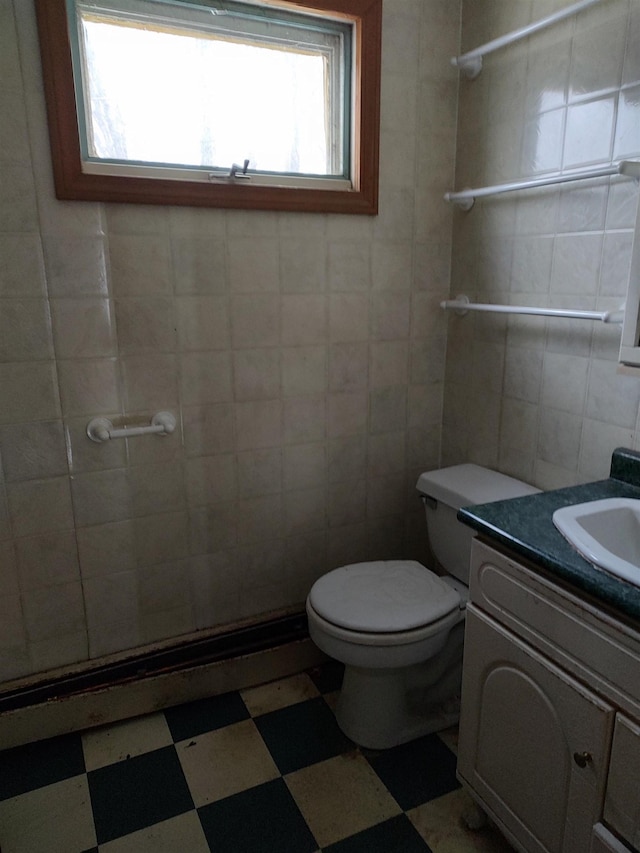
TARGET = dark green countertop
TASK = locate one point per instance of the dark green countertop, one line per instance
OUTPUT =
(525, 527)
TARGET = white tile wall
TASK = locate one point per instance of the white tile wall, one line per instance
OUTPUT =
(562, 98)
(305, 355)
(299, 353)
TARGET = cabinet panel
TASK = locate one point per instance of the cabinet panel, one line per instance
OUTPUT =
(622, 803)
(588, 644)
(522, 721)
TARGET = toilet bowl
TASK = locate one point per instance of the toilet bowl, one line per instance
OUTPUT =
(398, 627)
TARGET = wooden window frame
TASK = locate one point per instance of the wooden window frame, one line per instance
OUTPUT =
(72, 183)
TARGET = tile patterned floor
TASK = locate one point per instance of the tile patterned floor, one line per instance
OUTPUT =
(264, 770)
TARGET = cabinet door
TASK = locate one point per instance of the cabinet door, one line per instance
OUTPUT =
(622, 803)
(534, 743)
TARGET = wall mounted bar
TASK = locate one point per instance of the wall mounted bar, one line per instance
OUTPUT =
(625, 168)
(461, 305)
(102, 429)
(471, 63)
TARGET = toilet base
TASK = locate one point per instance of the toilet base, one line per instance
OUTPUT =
(381, 708)
(390, 725)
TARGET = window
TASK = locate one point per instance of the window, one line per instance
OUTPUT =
(175, 89)
(214, 103)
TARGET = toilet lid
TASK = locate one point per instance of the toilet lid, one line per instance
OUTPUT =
(382, 596)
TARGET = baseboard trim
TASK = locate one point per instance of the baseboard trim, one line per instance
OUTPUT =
(158, 679)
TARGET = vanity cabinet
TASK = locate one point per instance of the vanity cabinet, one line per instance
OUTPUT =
(549, 741)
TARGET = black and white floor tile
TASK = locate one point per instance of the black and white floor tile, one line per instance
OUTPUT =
(265, 770)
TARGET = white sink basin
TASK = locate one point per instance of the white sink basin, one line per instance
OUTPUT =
(605, 532)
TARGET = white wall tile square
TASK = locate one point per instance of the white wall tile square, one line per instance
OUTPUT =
(151, 382)
(145, 325)
(101, 497)
(304, 465)
(348, 367)
(260, 519)
(111, 599)
(140, 265)
(260, 472)
(302, 266)
(304, 370)
(22, 265)
(199, 262)
(212, 529)
(48, 560)
(156, 488)
(53, 611)
(348, 317)
(616, 264)
(253, 265)
(256, 374)
(18, 210)
(388, 408)
(40, 506)
(258, 424)
(159, 538)
(106, 546)
(626, 131)
(76, 266)
(83, 328)
(211, 479)
(564, 382)
(349, 266)
(347, 502)
(576, 263)
(347, 459)
(89, 386)
(25, 330)
(612, 397)
(208, 429)
(255, 320)
(12, 630)
(589, 132)
(305, 510)
(304, 319)
(205, 377)
(33, 450)
(347, 414)
(389, 363)
(304, 419)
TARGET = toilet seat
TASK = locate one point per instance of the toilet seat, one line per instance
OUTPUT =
(384, 597)
(388, 640)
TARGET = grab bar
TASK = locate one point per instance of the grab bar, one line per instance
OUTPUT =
(470, 63)
(461, 305)
(625, 168)
(102, 429)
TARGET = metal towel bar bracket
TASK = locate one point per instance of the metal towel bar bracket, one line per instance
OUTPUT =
(102, 429)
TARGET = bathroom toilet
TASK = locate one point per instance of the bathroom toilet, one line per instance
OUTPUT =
(398, 627)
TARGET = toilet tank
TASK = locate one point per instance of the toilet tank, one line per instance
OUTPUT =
(445, 491)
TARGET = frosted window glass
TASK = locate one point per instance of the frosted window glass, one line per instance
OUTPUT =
(169, 98)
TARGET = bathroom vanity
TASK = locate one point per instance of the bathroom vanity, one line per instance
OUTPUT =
(550, 724)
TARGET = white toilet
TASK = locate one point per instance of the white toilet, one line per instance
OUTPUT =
(398, 627)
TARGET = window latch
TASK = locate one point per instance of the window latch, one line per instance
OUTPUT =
(242, 174)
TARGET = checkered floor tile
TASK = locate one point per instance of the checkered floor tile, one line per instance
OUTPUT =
(265, 770)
